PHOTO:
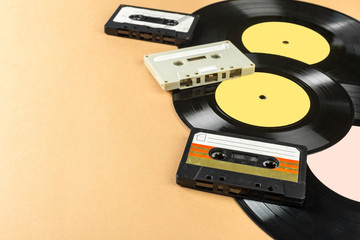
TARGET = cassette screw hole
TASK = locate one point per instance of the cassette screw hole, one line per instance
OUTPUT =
(262, 97)
(221, 178)
(218, 155)
(178, 63)
(270, 164)
(285, 42)
(215, 56)
(208, 177)
(270, 188)
(257, 185)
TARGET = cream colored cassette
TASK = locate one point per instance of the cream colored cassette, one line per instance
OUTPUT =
(198, 65)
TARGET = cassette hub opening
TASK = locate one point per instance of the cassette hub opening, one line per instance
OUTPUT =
(218, 155)
(270, 164)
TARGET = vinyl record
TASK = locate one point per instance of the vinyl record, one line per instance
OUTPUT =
(324, 215)
(326, 39)
(284, 100)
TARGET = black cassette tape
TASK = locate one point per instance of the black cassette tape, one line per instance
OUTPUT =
(242, 166)
(151, 25)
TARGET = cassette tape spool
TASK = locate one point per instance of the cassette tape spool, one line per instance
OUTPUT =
(198, 65)
(241, 166)
(152, 25)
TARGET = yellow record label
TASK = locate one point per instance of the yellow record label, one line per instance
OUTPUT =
(288, 40)
(263, 99)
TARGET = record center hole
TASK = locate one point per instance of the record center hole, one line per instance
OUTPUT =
(285, 42)
(262, 97)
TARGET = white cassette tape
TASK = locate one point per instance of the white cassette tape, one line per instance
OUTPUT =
(198, 65)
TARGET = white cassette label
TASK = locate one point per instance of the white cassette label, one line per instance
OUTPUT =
(184, 21)
(249, 146)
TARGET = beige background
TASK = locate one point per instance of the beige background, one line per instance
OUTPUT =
(89, 143)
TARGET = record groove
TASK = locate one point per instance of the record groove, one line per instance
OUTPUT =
(229, 19)
(324, 215)
(328, 120)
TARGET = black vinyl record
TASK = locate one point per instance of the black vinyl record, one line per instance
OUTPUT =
(229, 19)
(328, 120)
(324, 215)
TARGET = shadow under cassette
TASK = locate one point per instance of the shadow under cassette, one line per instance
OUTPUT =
(326, 39)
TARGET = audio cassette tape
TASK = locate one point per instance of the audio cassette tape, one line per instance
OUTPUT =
(242, 166)
(198, 65)
(152, 25)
